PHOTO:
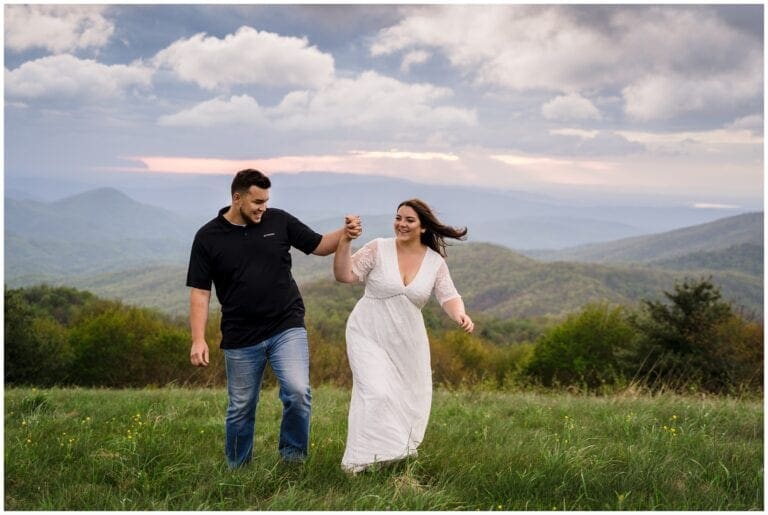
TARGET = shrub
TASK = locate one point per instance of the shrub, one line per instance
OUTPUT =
(689, 341)
(582, 349)
(36, 348)
(457, 358)
(461, 359)
(738, 355)
(127, 346)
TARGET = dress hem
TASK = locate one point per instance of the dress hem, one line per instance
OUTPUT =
(355, 468)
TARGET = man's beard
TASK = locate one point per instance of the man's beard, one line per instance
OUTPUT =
(248, 216)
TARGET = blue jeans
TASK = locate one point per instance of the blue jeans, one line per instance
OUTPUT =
(288, 354)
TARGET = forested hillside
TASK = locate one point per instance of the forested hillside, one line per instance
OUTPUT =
(494, 281)
(737, 234)
(94, 232)
(104, 230)
(744, 257)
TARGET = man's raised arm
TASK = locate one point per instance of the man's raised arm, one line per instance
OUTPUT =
(330, 241)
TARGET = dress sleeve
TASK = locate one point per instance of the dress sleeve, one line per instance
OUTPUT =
(444, 288)
(364, 260)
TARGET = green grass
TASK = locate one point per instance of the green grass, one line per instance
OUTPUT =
(80, 449)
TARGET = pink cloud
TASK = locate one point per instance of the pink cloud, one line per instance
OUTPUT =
(356, 162)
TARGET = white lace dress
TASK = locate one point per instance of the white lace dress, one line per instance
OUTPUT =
(388, 352)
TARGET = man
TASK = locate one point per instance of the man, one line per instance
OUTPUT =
(244, 252)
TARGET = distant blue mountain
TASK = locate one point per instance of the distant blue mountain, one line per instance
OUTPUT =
(100, 214)
(98, 230)
(101, 236)
(515, 219)
(706, 246)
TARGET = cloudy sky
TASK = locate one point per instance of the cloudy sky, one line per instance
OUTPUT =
(646, 99)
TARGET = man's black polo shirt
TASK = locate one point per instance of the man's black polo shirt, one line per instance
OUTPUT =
(251, 269)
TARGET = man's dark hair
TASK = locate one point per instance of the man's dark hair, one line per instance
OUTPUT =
(244, 179)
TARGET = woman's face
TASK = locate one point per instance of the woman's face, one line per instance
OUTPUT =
(407, 224)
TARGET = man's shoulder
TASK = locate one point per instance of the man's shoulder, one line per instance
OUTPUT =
(211, 227)
(281, 216)
(279, 213)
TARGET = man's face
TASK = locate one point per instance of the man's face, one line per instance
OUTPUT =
(252, 204)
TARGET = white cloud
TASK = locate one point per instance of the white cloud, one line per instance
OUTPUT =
(559, 171)
(668, 60)
(17, 105)
(67, 77)
(663, 96)
(237, 110)
(578, 133)
(705, 205)
(415, 57)
(400, 154)
(570, 107)
(514, 47)
(595, 143)
(58, 28)
(714, 137)
(524, 160)
(752, 123)
(371, 102)
(248, 56)
(695, 63)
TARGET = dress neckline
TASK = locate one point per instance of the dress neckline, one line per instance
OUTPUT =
(397, 265)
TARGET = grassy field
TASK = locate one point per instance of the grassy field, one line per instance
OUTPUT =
(78, 449)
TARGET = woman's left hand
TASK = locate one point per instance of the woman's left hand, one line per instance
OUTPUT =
(465, 322)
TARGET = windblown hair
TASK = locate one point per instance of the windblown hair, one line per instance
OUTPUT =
(244, 179)
(435, 231)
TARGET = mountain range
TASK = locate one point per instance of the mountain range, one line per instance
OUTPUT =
(493, 280)
(92, 232)
(516, 219)
(107, 242)
(736, 234)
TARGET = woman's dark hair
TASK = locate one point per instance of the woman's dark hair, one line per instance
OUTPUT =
(244, 179)
(435, 231)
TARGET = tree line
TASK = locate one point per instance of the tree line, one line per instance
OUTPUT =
(693, 340)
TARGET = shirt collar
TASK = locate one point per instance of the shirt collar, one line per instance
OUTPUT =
(223, 220)
(229, 224)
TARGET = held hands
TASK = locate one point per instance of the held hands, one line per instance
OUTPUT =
(465, 322)
(353, 227)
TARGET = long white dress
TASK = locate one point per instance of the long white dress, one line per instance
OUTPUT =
(388, 352)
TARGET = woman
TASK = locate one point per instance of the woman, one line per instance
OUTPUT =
(387, 341)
